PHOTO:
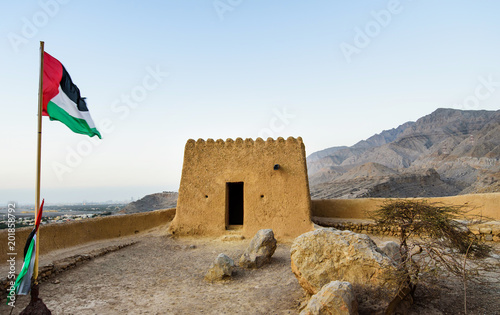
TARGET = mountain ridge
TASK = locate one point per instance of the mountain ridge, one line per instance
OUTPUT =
(463, 147)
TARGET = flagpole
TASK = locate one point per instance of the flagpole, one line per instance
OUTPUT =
(39, 158)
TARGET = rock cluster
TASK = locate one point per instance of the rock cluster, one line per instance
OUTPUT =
(257, 254)
(489, 231)
(325, 255)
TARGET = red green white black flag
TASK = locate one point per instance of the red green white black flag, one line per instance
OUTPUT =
(62, 100)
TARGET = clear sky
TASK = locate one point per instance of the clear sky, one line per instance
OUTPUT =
(157, 73)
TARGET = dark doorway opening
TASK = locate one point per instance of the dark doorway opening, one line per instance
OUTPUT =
(234, 203)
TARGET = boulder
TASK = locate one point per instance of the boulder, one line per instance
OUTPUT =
(260, 250)
(321, 256)
(335, 298)
(391, 249)
(221, 269)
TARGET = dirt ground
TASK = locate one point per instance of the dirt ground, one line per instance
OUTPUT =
(164, 275)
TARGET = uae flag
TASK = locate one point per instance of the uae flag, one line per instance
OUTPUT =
(62, 100)
(23, 282)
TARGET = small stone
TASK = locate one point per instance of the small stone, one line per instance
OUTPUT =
(495, 228)
(56, 281)
(260, 250)
(391, 249)
(232, 238)
(488, 237)
(485, 230)
(336, 298)
(221, 269)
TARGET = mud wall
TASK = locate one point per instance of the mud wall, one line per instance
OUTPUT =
(276, 199)
(62, 235)
(487, 205)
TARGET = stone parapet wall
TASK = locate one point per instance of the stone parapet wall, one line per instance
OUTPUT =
(353, 214)
(489, 231)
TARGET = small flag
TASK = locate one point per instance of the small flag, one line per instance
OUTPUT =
(23, 282)
(62, 100)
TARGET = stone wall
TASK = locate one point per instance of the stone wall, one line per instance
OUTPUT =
(487, 205)
(63, 235)
(351, 214)
(275, 199)
(488, 231)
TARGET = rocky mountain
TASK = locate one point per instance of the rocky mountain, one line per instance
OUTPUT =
(445, 153)
(163, 200)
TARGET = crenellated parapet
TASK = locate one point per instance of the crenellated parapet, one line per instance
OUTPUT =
(243, 143)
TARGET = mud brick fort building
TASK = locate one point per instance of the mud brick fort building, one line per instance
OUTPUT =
(243, 186)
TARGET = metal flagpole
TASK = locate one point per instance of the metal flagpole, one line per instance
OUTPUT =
(39, 158)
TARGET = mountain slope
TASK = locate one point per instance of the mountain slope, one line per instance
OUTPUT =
(463, 147)
(163, 200)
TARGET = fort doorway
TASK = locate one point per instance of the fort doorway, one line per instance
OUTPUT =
(234, 204)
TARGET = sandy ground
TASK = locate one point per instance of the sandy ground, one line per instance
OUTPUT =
(164, 275)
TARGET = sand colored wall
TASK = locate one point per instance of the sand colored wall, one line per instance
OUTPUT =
(63, 235)
(484, 204)
(275, 199)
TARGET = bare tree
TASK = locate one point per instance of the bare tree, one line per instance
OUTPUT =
(439, 233)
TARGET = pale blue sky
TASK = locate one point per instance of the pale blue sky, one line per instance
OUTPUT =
(333, 72)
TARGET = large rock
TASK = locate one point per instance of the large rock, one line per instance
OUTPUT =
(391, 249)
(260, 250)
(326, 255)
(335, 298)
(221, 269)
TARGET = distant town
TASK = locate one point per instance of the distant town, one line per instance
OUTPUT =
(24, 215)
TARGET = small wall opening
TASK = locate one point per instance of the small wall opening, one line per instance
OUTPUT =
(234, 204)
